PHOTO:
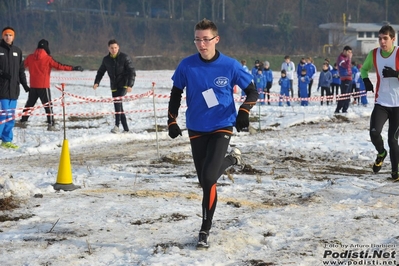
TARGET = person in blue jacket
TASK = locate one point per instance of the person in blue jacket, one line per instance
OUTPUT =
(254, 70)
(354, 89)
(325, 80)
(301, 65)
(303, 83)
(209, 78)
(361, 87)
(244, 65)
(260, 84)
(311, 73)
(336, 81)
(285, 85)
(268, 74)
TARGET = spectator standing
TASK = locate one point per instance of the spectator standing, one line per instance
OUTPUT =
(284, 83)
(360, 87)
(385, 60)
(254, 70)
(345, 73)
(301, 65)
(12, 73)
(354, 88)
(289, 68)
(260, 84)
(244, 65)
(303, 84)
(121, 72)
(327, 60)
(325, 80)
(209, 77)
(268, 74)
(311, 73)
(336, 81)
(39, 65)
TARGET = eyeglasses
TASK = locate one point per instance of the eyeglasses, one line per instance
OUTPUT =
(204, 40)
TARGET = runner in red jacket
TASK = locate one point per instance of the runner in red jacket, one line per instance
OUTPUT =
(40, 64)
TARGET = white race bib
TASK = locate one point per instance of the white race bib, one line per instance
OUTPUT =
(210, 98)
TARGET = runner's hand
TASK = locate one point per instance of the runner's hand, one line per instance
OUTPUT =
(174, 129)
(367, 83)
(388, 72)
(242, 120)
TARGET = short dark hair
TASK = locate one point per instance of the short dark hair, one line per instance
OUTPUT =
(387, 29)
(347, 48)
(206, 24)
(113, 41)
(287, 57)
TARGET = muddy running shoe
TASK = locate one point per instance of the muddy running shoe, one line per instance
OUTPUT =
(378, 161)
(203, 240)
(115, 130)
(395, 176)
(236, 153)
(9, 145)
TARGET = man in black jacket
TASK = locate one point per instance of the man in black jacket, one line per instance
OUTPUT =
(121, 72)
(12, 73)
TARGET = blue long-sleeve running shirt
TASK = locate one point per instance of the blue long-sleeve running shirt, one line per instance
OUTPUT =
(217, 78)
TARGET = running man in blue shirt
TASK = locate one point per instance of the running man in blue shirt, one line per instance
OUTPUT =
(209, 78)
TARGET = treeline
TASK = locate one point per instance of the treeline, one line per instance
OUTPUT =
(165, 27)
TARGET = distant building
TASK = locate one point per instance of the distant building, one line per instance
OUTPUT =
(362, 37)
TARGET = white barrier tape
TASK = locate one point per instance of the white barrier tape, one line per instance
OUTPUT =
(338, 97)
(127, 98)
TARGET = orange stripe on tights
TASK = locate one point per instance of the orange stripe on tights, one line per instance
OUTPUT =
(212, 196)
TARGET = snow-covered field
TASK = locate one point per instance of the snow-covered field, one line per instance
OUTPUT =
(307, 195)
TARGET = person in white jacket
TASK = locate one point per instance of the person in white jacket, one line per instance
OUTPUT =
(289, 68)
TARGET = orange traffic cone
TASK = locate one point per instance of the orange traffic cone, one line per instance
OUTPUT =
(64, 177)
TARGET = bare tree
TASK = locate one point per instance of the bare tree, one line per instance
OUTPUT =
(172, 9)
(199, 10)
(182, 9)
(109, 7)
(102, 13)
(213, 10)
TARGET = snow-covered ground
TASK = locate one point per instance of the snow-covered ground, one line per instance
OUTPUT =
(307, 195)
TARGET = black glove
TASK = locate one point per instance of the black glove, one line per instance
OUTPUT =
(388, 72)
(77, 68)
(174, 129)
(367, 83)
(5, 75)
(26, 88)
(242, 120)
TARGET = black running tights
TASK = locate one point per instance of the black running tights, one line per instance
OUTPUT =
(378, 118)
(210, 160)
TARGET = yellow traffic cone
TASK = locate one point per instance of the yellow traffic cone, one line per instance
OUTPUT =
(64, 177)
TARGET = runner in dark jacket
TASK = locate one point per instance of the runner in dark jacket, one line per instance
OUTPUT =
(122, 74)
(12, 74)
